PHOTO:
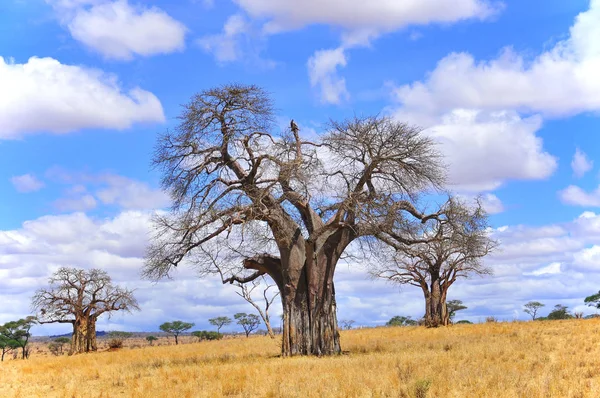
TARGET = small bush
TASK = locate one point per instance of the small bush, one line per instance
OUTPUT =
(206, 335)
(464, 321)
(116, 339)
(421, 388)
(151, 339)
(491, 319)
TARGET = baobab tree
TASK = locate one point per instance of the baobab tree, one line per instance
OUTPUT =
(452, 246)
(280, 204)
(80, 297)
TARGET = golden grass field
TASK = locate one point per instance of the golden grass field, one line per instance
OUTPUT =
(518, 359)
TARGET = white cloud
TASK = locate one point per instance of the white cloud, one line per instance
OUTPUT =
(87, 190)
(588, 259)
(484, 149)
(492, 204)
(83, 203)
(560, 82)
(322, 71)
(118, 30)
(284, 15)
(360, 21)
(131, 194)
(67, 98)
(226, 47)
(551, 269)
(581, 164)
(488, 104)
(26, 183)
(574, 195)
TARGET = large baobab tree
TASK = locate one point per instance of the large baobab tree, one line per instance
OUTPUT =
(281, 204)
(79, 297)
(452, 246)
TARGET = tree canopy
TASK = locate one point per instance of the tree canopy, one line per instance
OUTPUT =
(249, 200)
(79, 297)
(175, 328)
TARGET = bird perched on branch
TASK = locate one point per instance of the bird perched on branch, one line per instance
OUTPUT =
(294, 126)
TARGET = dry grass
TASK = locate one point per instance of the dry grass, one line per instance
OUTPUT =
(541, 359)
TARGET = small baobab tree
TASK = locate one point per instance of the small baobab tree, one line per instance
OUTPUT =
(285, 205)
(80, 297)
(452, 245)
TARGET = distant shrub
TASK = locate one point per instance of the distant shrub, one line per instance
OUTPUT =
(116, 339)
(491, 319)
(560, 312)
(401, 321)
(465, 322)
(151, 339)
(206, 335)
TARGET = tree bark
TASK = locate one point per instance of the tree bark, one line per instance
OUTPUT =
(84, 336)
(306, 331)
(91, 344)
(436, 311)
(79, 338)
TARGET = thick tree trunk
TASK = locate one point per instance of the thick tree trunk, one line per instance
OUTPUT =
(436, 312)
(306, 330)
(84, 336)
(91, 344)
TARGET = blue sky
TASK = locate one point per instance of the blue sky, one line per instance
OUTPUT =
(509, 89)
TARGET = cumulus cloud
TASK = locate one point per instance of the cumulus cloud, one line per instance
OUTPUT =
(131, 194)
(323, 73)
(577, 196)
(551, 269)
(118, 30)
(484, 149)
(66, 98)
(559, 82)
(83, 202)
(360, 22)
(581, 164)
(87, 190)
(353, 15)
(227, 46)
(26, 183)
(504, 100)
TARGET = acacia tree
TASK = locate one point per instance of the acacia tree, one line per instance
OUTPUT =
(453, 306)
(532, 308)
(219, 322)
(453, 246)
(249, 322)
(80, 297)
(282, 205)
(15, 335)
(175, 328)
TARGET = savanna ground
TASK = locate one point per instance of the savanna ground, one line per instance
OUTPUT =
(517, 359)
